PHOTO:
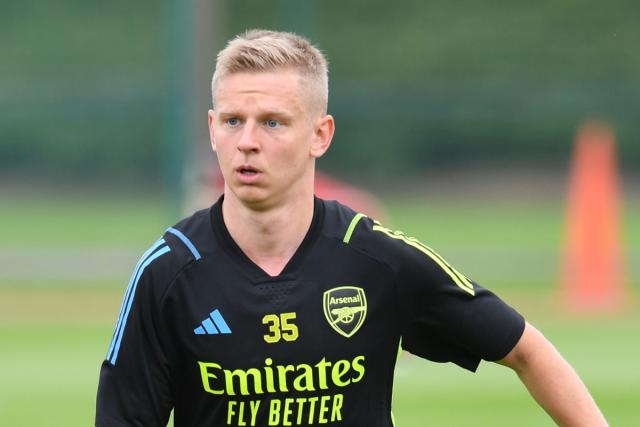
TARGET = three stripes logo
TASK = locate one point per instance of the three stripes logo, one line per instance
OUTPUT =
(158, 249)
(458, 278)
(213, 325)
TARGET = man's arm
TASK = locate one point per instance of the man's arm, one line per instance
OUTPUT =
(552, 381)
(134, 386)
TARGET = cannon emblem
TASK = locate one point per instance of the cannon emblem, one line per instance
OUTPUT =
(345, 308)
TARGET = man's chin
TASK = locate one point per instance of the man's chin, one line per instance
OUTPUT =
(253, 197)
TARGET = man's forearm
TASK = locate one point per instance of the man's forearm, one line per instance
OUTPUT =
(552, 381)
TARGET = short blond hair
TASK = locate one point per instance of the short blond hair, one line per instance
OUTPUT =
(263, 51)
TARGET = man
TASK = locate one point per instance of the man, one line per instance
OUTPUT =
(275, 308)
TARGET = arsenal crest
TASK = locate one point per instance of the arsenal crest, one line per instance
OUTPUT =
(345, 308)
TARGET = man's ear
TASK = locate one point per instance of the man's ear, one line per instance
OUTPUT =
(211, 131)
(324, 129)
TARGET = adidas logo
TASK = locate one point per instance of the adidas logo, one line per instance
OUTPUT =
(213, 325)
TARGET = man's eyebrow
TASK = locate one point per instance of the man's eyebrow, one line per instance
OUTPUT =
(276, 114)
(229, 114)
(262, 114)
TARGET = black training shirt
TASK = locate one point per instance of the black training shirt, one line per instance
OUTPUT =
(204, 331)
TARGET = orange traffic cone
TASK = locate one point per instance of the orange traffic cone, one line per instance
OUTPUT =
(593, 267)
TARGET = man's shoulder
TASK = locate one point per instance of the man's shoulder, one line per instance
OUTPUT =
(180, 245)
(368, 236)
(355, 229)
(192, 234)
(338, 217)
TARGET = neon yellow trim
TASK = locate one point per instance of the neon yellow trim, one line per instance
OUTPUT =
(393, 420)
(352, 226)
(459, 279)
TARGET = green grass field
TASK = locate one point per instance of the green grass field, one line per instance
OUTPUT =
(55, 329)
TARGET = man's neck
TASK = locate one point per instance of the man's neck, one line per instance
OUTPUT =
(269, 237)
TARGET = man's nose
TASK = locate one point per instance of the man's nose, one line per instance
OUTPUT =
(249, 138)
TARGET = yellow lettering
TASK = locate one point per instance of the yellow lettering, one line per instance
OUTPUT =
(243, 378)
(344, 300)
(274, 412)
(254, 405)
(336, 410)
(312, 406)
(273, 322)
(323, 409)
(287, 412)
(275, 378)
(230, 411)
(241, 421)
(340, 368)
(322, 366)
(305, 377)
(268, 373)
(289, 329)
(282, 376)
(205, 374)
(280, 327)
(300, 401)
(358, 367)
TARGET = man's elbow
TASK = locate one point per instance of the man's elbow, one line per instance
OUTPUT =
(531, 346)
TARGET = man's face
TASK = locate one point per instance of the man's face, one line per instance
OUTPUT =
(265, 137)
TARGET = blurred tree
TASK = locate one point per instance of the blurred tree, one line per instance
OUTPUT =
(425, 85)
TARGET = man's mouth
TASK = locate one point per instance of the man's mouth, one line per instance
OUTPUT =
(247, 170)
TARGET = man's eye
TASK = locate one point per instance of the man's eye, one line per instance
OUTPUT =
(233, 121)
(272, 123)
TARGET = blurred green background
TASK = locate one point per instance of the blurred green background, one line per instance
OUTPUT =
(459, 115)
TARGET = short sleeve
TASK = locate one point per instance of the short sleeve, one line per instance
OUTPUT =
(134, 388)
(464, 330)
(446, 316)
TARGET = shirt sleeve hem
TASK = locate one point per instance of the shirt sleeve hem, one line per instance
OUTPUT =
(510, 341)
